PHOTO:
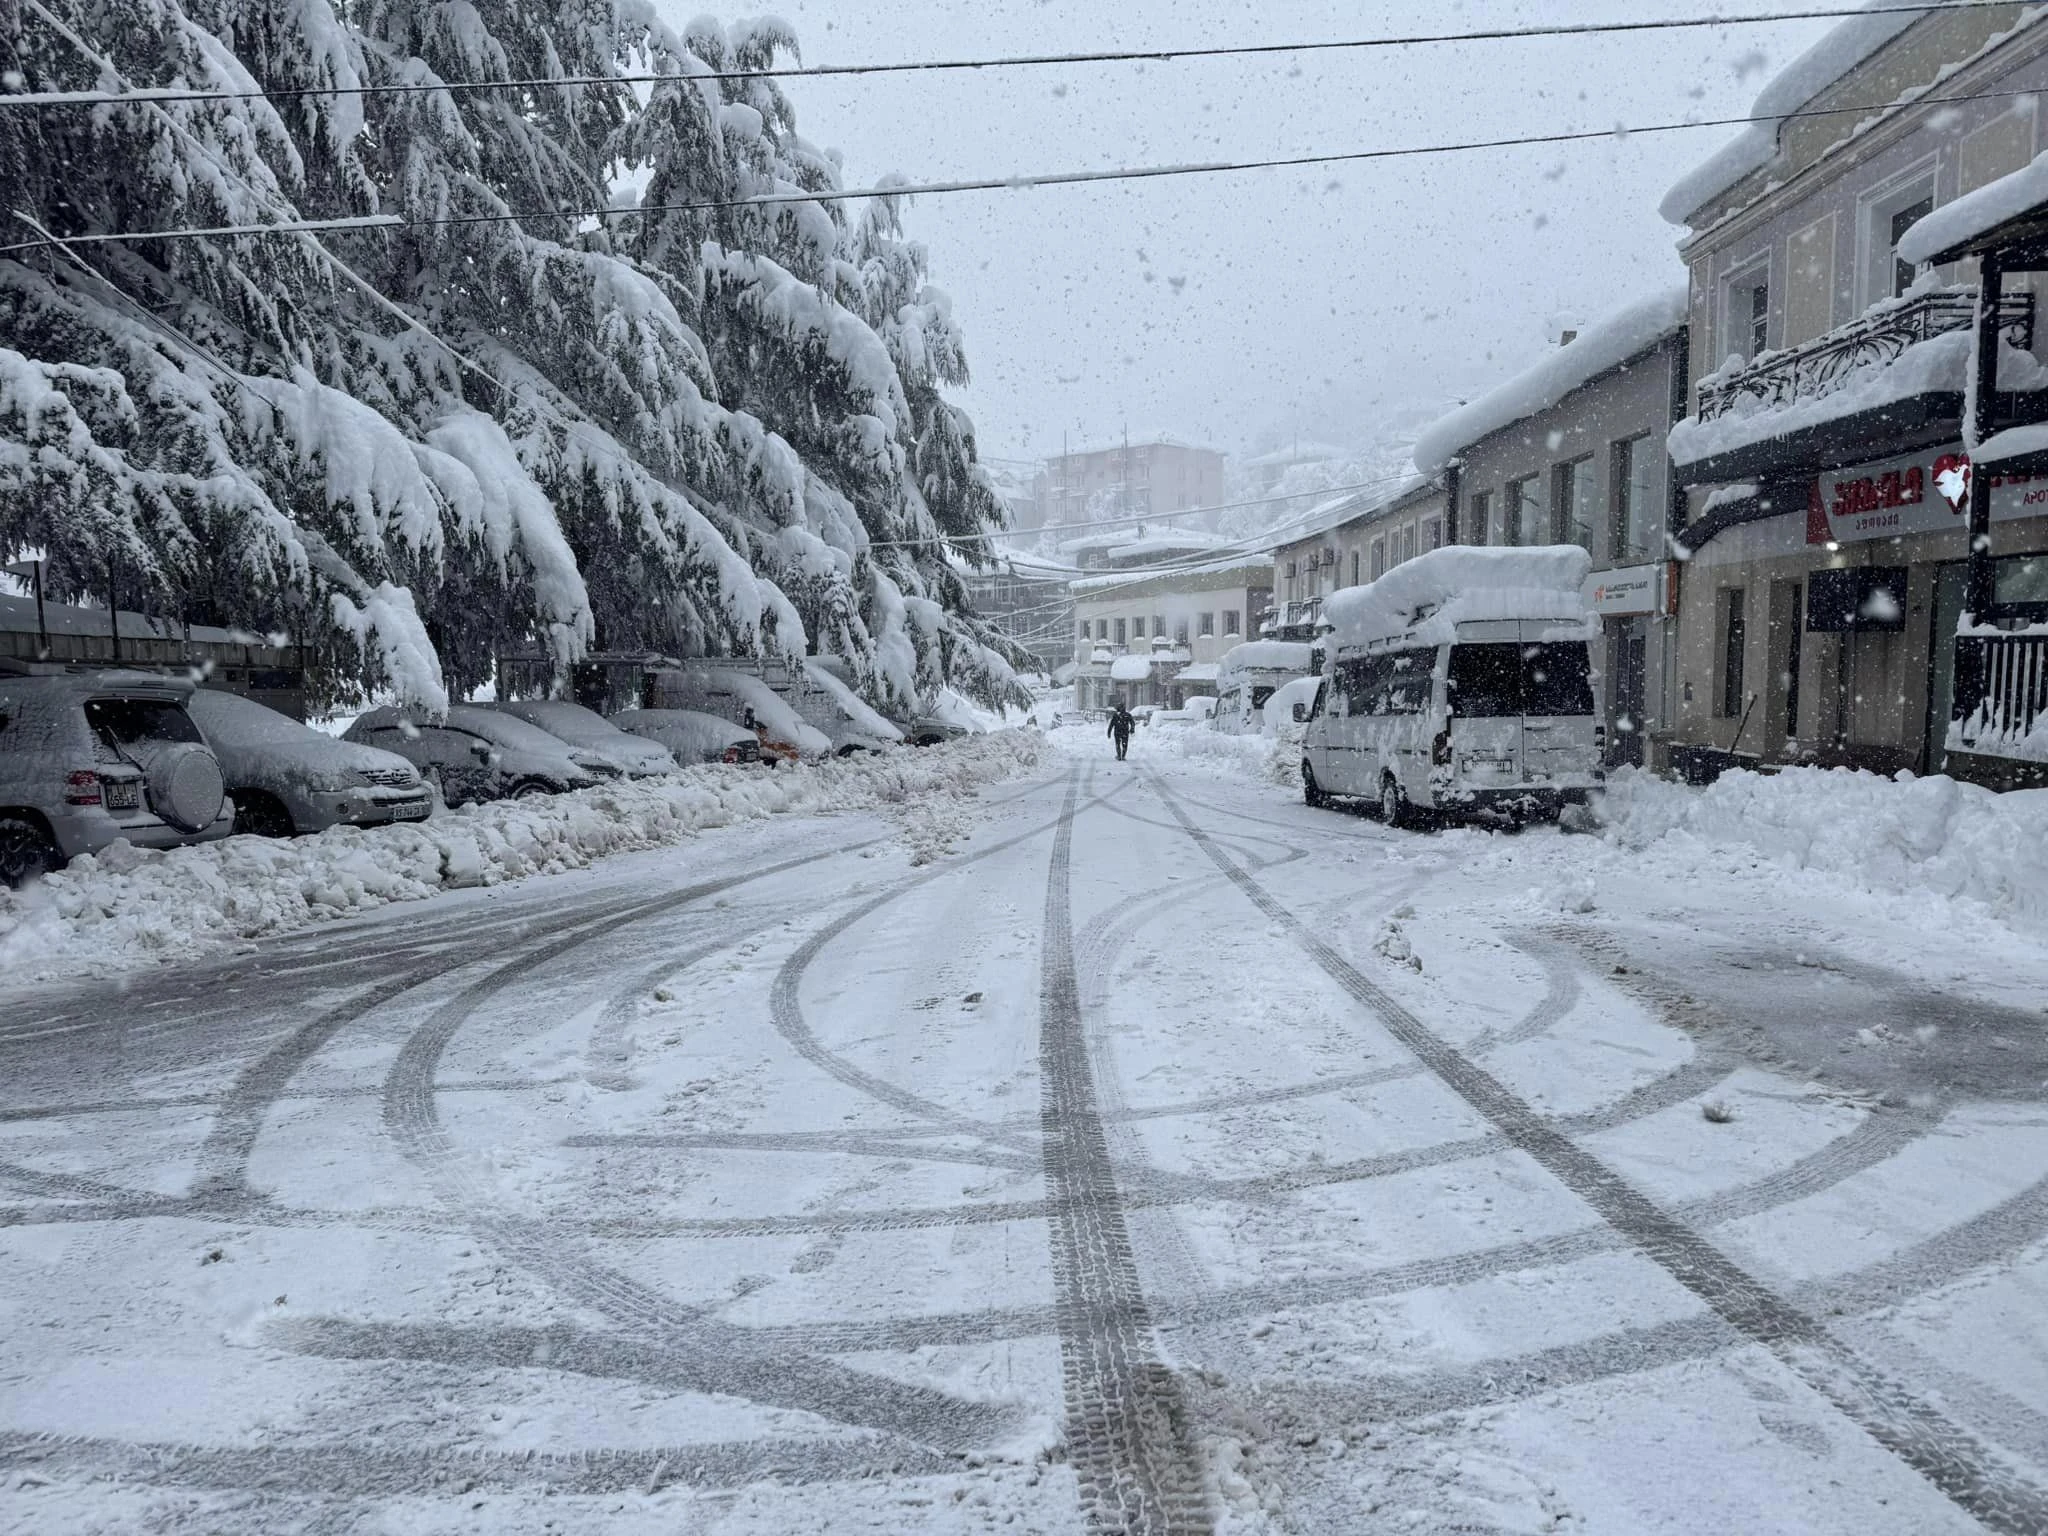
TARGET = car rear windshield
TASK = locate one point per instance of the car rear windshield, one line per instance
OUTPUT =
(1505, 678)
(128, 722)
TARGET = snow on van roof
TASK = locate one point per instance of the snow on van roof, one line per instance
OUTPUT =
(1459, 584)
(1290, 656)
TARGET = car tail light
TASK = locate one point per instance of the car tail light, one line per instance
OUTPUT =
(732, 755)
(82, 787)
(1440, 749)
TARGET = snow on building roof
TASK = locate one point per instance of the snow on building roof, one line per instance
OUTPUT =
(1295, 453)
(1200, 672)
(1458, 584)
(1130, 669)
(1846, 45)
(1600, 347)
(19, 614)
(1349, 508)
(1290, 656)
(1976, 213)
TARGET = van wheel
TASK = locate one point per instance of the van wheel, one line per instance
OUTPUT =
(1312, 792)
(1393, 805)
(530, 789)
(26, 852)
(260, 815)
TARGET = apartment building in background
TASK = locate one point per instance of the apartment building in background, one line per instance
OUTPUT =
(1130, 480)
(1157, 611)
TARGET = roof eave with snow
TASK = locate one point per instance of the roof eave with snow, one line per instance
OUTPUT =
(1600, 349)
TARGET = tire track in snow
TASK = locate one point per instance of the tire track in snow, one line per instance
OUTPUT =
(1127, 1427)
(716, 1357)
(1972, 1474)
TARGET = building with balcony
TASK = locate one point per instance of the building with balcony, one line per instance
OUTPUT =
(1156, 613)
(1822, 452)
(1347, 541)
(1572, 451)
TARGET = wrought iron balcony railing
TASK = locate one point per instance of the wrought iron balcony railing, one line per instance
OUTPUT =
(1877, 338)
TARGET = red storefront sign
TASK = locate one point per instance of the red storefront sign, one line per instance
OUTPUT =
(1926, 493)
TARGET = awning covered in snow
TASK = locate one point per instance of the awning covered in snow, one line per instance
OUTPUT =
(1130, 669)
(1200, 672)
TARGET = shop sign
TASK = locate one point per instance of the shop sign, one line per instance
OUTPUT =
(1631, 589)
(1927, 492)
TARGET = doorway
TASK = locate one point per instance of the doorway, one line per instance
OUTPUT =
(1628, 643)
(1950, 593)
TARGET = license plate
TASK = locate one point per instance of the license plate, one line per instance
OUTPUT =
(122, 796)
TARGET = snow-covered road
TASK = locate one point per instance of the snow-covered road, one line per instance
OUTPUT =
(1163, 1157)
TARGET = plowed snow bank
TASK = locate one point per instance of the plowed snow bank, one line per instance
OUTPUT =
(126, 907)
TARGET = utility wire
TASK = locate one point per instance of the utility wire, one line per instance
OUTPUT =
(1026, 60)
(1619, 132)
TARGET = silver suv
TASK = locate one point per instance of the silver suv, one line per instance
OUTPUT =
(91, 757)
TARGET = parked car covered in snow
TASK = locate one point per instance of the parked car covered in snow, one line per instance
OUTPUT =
(1461, 681)
(474, 754)
(1248, 676)
(592, 739)
(1286, 712)
(691, 736)
(88, 758)
(1198, 710)
(285, 777)
(747, 700)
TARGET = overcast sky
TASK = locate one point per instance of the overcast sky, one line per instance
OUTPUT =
(1236, 309)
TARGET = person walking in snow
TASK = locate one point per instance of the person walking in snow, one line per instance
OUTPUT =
(1121, 724)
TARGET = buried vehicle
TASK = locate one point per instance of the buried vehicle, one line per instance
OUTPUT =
(1249, 675)
(286, 778)
(594, 742)
(92, 757)
(692, 736)
(1461, 682)
(474, 754)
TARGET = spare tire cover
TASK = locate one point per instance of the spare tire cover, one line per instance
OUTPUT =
(185, 786)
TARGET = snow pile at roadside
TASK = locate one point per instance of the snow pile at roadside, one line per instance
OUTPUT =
(126, 907)
(1894, 837)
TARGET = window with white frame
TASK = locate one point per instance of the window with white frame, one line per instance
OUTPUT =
(1206, 623)
(1232, 625)
(1379, 558)
(1746, 310)
(1885, 214)
(1433, 534)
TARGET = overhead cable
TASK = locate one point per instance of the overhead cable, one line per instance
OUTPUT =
(1024, 60)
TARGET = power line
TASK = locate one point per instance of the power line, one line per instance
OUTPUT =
(1620, 131)
(1024, 60)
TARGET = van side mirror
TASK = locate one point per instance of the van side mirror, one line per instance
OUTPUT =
(1300, 712)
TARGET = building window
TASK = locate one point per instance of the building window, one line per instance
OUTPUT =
(1159, 626)
(1638, 521)
(1354, 567)
(1293, 569)
(1575, 488)
(1746, 310)
(1180, 632)
(1482, 510)
(1121, 637)
(1083, 637)
(1379, 558)
(1528, 512)
(1206, 623)
(1886, 216)
(1231, 622)
(1433, 534)
(1734, 633)
(1759, 316)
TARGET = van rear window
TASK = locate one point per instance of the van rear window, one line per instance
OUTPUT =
(1505, 678)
